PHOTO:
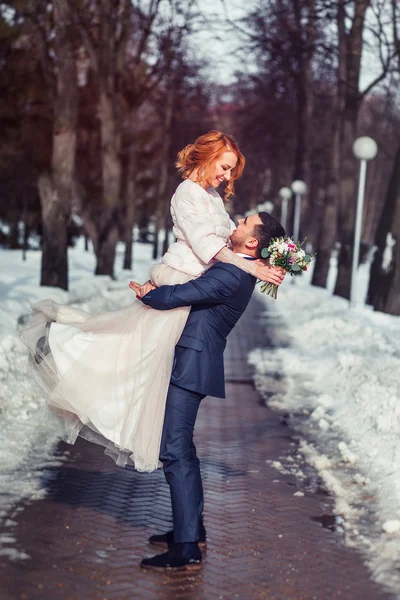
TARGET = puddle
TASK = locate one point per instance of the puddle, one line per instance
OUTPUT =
(327, 521)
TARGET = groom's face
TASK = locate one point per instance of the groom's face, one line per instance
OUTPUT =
(244, 232)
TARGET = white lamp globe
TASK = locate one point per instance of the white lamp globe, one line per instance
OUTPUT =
(266, 206)
(299, 187)
(365, 148)
(285, 193)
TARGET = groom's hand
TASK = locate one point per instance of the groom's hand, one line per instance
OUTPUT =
(141, 290)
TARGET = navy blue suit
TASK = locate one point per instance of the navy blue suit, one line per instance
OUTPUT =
(218, 299)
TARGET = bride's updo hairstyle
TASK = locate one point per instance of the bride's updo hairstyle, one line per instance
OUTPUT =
(203, 154)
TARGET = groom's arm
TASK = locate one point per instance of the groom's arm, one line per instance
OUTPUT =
(214, 287)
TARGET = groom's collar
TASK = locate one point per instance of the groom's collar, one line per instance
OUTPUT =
(245, 256)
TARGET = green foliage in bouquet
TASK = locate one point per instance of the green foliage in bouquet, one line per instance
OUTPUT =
(284, 252)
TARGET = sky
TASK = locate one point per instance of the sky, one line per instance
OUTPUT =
(217, 44)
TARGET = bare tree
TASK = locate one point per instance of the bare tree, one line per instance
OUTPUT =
(174, 75)
(287, 40)
(124, 43)
(24, 142)
(52, 44)
(55, 186)
(104, 28)
(384, 289)
(350, 26)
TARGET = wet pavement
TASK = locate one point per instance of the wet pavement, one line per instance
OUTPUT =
(87, 537)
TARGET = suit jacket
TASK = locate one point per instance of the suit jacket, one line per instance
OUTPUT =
(218, 299)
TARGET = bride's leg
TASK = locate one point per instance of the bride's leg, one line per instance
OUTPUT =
(113, 370)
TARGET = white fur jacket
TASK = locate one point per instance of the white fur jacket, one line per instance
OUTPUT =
(201, 226)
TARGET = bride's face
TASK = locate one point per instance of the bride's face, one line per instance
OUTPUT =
(223, 168)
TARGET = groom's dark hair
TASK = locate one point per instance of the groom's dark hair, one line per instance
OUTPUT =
(270, 228)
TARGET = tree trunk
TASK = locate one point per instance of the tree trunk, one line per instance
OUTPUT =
(304, 89)
(167, 220)
(391, 303)
(382, 280)
(54, 270)
(13, 239)
(166, 238)
(348, 163)
(105, 254)
(304, 100)
(348, 204)
(338, 223)
(55, 189)
(156, 239)
(128, 254)
(27, 233)
(327, 239)
(110, 149)
(129, 196)
(163, 181)
(384, 289)
(329, 234)
(107, 236)
(27, 229)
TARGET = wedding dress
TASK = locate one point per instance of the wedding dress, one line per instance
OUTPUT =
(107, 375)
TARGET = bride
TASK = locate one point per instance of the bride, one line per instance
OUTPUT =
(107, 375)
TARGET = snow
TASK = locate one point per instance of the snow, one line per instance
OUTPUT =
(28, 433)
(335, 370)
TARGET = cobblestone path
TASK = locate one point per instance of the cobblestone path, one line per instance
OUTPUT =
(87, 537)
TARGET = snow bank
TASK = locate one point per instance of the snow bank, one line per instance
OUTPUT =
(336, 371)
(28, 433)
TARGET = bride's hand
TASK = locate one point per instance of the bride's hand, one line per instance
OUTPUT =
(141, 290)
(265, 272)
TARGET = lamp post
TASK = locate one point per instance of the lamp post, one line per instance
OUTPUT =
(299, 188)
(364, 148)
(266, 206)
(285, 194)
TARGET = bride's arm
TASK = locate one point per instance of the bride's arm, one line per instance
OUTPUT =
(260, 270)
(198, 227)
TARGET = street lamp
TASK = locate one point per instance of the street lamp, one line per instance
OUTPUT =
(299, 188)
(364, 148)
(266, 206)
(285, 194)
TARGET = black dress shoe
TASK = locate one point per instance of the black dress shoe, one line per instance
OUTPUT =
(164, 540)
(183, 556)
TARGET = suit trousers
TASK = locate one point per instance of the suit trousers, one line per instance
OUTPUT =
(180, 462)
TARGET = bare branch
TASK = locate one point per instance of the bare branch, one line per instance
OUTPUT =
(76, 15)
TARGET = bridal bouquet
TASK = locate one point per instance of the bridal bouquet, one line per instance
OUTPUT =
(284, 252)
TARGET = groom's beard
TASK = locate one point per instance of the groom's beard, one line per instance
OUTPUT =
(238, 248)
(236, 244)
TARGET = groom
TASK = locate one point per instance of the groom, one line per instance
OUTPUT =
(218, 299)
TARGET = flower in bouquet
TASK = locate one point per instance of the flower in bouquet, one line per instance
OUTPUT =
(284, 252)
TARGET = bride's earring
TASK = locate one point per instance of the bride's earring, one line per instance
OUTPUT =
(203, 173)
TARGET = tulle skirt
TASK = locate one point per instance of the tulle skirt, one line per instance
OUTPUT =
(107, 375)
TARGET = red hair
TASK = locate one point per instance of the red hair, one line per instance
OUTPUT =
(203, 154)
